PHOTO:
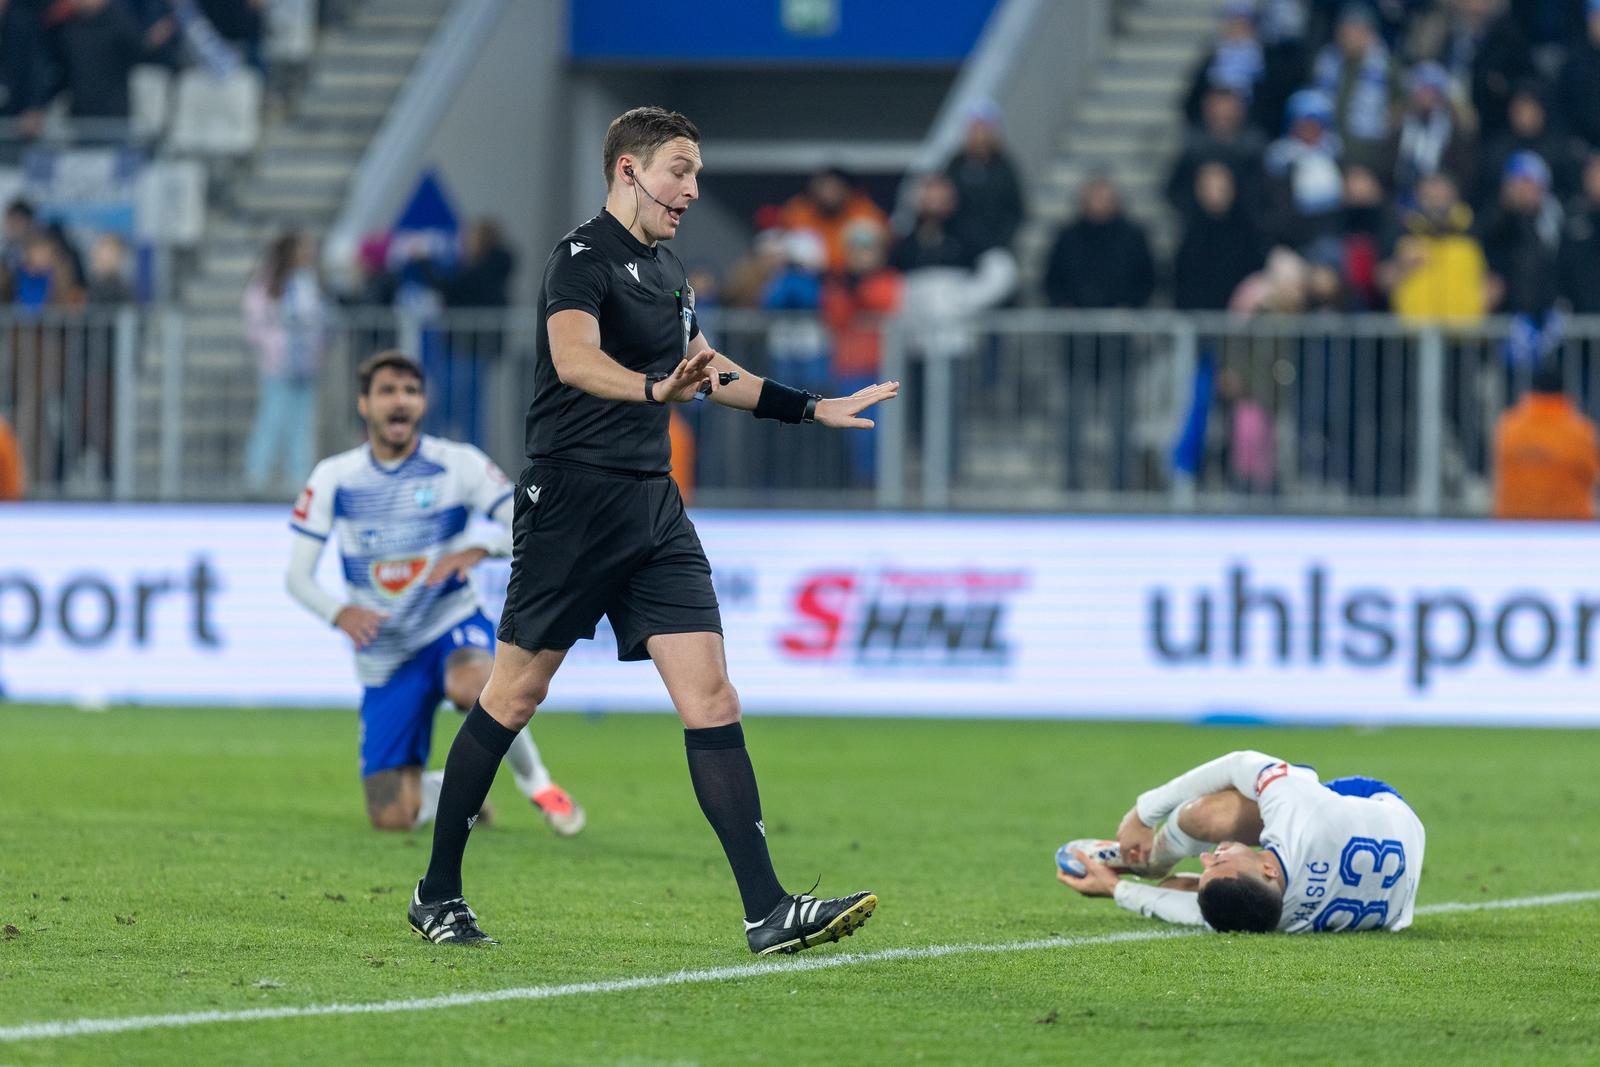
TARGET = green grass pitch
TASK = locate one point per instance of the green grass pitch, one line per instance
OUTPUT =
(170, 861)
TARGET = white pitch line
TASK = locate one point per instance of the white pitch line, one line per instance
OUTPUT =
(84, 1027)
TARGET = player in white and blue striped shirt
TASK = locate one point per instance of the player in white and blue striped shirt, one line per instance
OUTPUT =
(400, 506)
(1281, 851)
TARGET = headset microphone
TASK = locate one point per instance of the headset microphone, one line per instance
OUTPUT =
(628, 171)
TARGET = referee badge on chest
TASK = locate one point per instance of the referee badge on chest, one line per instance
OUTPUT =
(686, 312)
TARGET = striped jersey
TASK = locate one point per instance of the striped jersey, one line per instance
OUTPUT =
(1351, 860)
(392, 524)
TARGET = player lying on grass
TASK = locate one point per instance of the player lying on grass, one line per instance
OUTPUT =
(401, 503)
(1280, 851)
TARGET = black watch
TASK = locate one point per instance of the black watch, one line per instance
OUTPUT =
(810, 414)
(650, 381)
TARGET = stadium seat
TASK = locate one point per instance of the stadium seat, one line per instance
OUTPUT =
(217, 117)
(291, 30)
(150, 96)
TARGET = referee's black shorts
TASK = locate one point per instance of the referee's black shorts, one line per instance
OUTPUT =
(588, 542)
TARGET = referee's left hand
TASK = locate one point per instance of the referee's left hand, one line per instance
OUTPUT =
(843, 412)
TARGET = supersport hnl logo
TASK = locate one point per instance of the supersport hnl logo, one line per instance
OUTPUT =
(942, 618)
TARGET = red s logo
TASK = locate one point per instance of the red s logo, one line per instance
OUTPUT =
(821, 603)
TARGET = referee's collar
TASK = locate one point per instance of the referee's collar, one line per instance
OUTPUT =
(633, 243)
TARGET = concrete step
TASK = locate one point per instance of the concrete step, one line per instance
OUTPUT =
(414, 35)
(286, 156)
(285, 170)
(1196, 24)
(1146, 150)
(1119, 115)
(405, 22)
(405, 46)
(360, 77)
(1140, 87)
(1177, 54)
(299, 138)
(369, 95)
(215, 292)
(292, 207)
(343, 109)
(232, 266)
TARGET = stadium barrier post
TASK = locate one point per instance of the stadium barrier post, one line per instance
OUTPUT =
(937, 425)
(1430, 421)
(892, 426)
(124, 463)
(172, 384)
(1185, 349)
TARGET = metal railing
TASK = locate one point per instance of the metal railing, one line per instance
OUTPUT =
(1019, 410)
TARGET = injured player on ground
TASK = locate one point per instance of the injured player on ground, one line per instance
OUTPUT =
(1280, 850)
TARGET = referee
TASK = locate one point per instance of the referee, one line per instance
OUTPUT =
(600, 529)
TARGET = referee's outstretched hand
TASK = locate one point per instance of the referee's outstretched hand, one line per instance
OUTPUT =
(690, 377)
(843, 412)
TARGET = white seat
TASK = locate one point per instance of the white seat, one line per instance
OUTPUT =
(217, 116)
(149, 96)
(291, 30)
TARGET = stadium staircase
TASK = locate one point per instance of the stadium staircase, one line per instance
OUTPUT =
(296, 179)
(1128, 125)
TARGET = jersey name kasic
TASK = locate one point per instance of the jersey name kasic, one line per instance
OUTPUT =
(1350, 862)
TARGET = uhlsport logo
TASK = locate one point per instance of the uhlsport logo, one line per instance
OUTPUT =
(394, 576)
(939, 618)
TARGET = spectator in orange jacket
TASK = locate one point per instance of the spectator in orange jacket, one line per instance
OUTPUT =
(11, 478)
(855, 302)
(1547, 461)
(828, 206)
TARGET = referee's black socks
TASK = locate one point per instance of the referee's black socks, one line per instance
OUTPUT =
(469, 771)
(725, 784)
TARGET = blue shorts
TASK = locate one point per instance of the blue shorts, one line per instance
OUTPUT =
(397, 716)
(1357, 786)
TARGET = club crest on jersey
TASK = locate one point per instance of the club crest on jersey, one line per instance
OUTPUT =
(393, 577)
(423, 497)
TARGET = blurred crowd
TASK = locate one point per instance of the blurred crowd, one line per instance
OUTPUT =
(43, 267)
(291, 310)
(1440, 160)
(82, 52)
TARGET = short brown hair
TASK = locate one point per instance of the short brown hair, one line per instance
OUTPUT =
(640, 131)
(394, 359)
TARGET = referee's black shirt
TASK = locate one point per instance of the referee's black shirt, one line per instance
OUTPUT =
(641, 297)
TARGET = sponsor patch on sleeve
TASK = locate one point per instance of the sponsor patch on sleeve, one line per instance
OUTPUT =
(302, 505)
(1269, 774)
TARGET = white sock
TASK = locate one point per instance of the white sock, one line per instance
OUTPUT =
(431, 782)
(1172, 844)
(526, 767)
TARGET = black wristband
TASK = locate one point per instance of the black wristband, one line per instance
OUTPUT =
(810, 414)
(650, 381)
(781, 402)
